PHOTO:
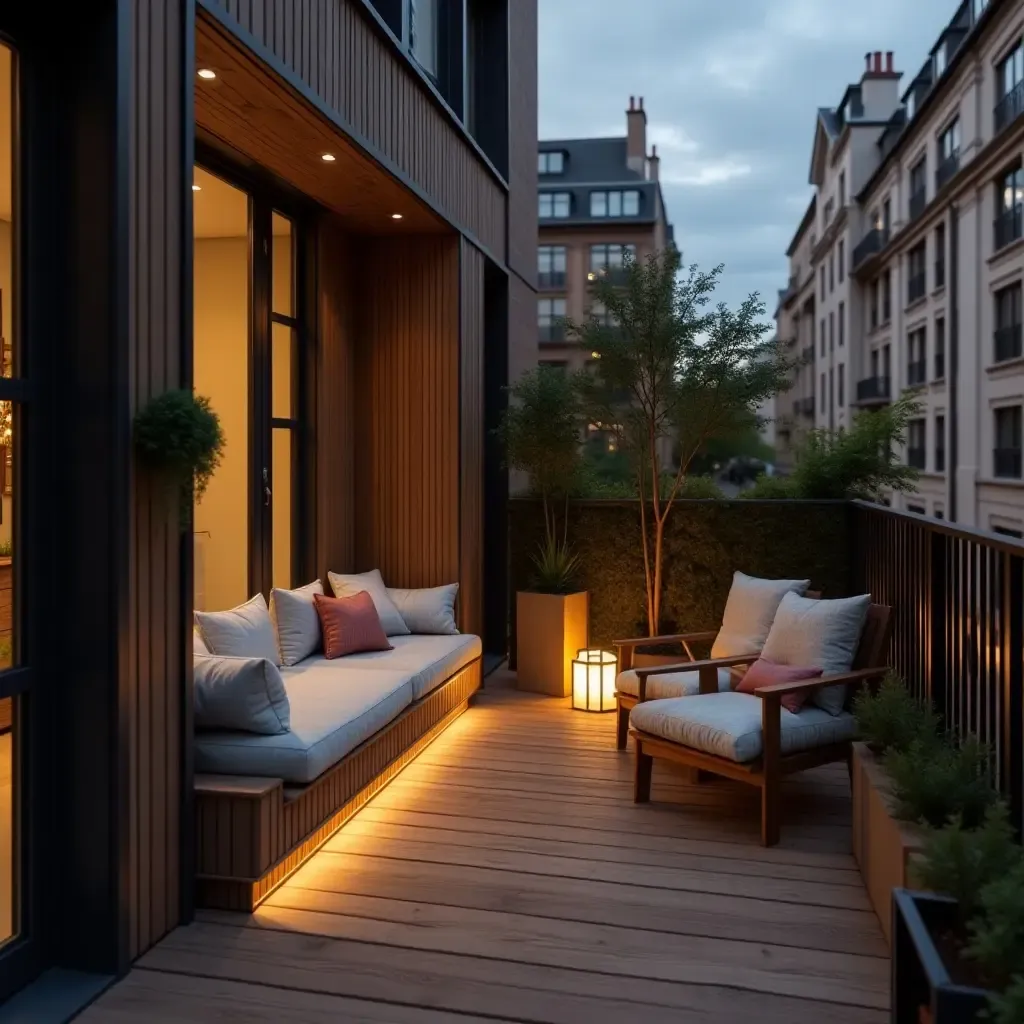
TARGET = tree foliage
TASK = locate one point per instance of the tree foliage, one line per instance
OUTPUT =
(672, 370)
(861, 462)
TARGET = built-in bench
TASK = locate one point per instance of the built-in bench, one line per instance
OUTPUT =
(265, 803)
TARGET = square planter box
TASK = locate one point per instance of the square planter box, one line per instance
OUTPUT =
(550, 629)
(883, 846)
(922, 990)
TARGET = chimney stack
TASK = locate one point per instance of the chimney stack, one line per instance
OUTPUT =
(636, 135)
(888, 61)
(879, 64)
(653, 164)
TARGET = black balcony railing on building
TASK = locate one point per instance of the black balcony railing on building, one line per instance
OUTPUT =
(873, 389)
(917, 286)
(551, 280)
(807, 353)
(940, 460)
(917, 372)
(613, 275)
(807, 406)
(551, 334)
(940, 272)
(947, 169)
(1008, 226)
(916, 458)
(1008, 343)
(1010, 107)
(874, 241)
(918, 201)
(940, 365)
(886, 310)
(1006, 462)
(958, 606)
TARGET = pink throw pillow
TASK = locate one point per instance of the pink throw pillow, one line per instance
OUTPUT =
(350, 625)
(764, 673)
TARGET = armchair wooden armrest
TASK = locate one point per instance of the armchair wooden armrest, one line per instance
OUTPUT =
(776, 691)
(626, 647)
(707, 671)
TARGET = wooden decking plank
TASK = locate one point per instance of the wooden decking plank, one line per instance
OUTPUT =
(469, 984)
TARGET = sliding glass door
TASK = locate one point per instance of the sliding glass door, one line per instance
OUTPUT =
(248, 359)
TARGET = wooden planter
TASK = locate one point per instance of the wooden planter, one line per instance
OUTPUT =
(882, 845)
(550, 629)
(922, 990)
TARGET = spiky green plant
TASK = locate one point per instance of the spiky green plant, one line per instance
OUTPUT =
(891, 719)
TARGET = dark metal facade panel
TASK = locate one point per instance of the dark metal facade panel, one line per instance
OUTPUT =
(522, 200)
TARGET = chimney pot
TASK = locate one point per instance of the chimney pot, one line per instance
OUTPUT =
(632, 103)
(641, 103)
(878, 60)
(654, 151)
(867, 61)
(888, 60)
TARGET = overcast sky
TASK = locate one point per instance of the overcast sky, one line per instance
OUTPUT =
(731, 88)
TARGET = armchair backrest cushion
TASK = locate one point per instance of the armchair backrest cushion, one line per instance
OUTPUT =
(296, 622)
(749, 612)
(373, 584)
(242, 632)
(823, 633)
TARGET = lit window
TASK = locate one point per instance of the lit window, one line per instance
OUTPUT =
(423, 34)
(940, 60)
(554, 204)
(551, 163)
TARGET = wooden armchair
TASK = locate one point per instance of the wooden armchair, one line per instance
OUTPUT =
(657, 732)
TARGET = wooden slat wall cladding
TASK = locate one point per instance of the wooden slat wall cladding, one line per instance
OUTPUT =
(522, 182)
(154, 673)
(249, 838)
(336, 441)
(331, 46)
(407, 410)
(471, 430)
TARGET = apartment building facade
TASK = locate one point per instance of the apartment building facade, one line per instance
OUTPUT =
(598, 200)
(929, 242)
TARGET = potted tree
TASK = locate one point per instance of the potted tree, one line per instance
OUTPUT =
(540, 431)
(670, 372)
(958, 948)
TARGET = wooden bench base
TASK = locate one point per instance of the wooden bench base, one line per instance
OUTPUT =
(250, 835)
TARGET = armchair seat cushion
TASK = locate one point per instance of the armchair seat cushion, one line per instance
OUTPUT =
(671, 684)
(728, 725)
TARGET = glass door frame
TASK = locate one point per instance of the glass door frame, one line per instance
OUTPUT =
(268, 196)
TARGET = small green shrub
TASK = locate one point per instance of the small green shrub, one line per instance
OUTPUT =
(779, 488)
(960, 862)
(891, 719)
(699, 488)
(997, 932)
(1008, 1007)
(933, 783)
(557, 568)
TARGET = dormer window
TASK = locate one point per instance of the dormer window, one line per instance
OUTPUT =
(911, 103)
(978, 7)
(551, 163)
(615, 204)
(940, 60)
(554, 205)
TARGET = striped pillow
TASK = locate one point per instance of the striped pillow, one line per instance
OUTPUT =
(350, 625)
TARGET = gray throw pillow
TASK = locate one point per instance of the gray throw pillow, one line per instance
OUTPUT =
(296, 622)
(242, 632)
(245, 694)
(428, 611)
(390, 618)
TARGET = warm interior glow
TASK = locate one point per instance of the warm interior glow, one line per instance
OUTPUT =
(396, 216)
(593, 680)
(328, 158)
(197, 188)
(207, 73)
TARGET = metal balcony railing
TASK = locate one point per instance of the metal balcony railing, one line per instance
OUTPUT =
(916, 458)
(917, 371)
(551, 334)
(873, 389)
(1006, 462)
(1007, 343)
(1008, 226)
(551, 280)
(916, 287)
(1009, 108)
(873, 242)
(940, 365)
(918, 201)
(947, 169)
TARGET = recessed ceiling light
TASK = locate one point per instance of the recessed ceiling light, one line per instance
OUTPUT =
(197, 188)
(206, 73)
(328, 158)
(396, 216)
(595, 355)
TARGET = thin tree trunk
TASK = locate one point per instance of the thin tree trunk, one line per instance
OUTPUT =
(659, 536)
(646, 550)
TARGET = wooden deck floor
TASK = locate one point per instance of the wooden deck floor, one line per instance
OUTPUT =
(506, 875)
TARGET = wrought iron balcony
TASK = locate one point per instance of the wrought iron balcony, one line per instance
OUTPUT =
(1006, 462)
(873, 391)
(1010, 107)
(551, 334)
(917, 371)
(551, 280)
(1007, 343)
(916, 287)
(916, 458)
(873, 242)
(807, 353)
(1008, 226)
(807, 407)
(940, 460)
(940, 365)
(918, 201)
(940, 272)
(947, 169)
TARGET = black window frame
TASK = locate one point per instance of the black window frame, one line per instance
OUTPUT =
(546, 157)
(549, 330)
(554, 196)
(940, 349)
(552, 276)
(940, 442)
(1006, 442)
(620, 195)
(1009, 80)
(1007, 318)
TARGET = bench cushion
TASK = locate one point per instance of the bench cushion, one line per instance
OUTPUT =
(333, 710)
(427, 660)
(671, 684)
(728, 725)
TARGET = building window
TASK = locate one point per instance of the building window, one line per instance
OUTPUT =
(615, 204)
(551, 263)
(1008, 323)
(917, 283)
(821, 277)
(423, 34)
(600, 313)
(831, 392)
(1009, 88)
(940, 348)
(608, 258)
(550, 320)
(918, 188)
(1006, 452)
(940, 256)
(918, 510)
(1008, 531)
(917, 360)
(551, 163)
(939, 514)
(1009, 205)
(554, 205)
(824, 392)
(949, 154)
(842, 189)
(831, 272)
(822, 335)
(940, 61)
(842, 323)
(940, 444)
(915, 444)
(886, 297)
(831, 332)
(842, 385)
(874, 293)
(842, 260)
(911, 104)
(978, 6)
